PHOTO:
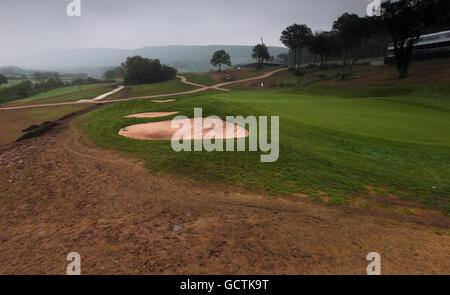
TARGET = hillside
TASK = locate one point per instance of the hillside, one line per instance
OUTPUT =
(94, 61)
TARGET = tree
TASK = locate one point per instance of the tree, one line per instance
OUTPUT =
(283, 57)
(261, 54)
(20, 90)
(296, 37)
(41, 77)
(109, 75)
(167, 73)
(352, 32)
(139, 70)
(53, 83)
(442, 19)
(3, 79)
(407, 20)
(115, 73)
(219, 58)
(323, 45)
(24, 89)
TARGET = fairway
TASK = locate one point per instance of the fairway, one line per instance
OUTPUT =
(171, 86)
(332, 147)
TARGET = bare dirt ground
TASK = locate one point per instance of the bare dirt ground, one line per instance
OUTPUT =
(59, 193)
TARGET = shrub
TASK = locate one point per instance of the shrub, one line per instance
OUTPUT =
(139, 70)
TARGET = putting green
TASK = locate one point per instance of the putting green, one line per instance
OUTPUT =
(372, 117)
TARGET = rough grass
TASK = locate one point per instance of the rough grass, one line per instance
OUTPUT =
(199, 78)
(215, 77)
(64, 94)
(171, 86)
(14, 121)
(331, 146)
(427, 72)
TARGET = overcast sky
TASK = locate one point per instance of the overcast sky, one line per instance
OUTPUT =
(28, 26)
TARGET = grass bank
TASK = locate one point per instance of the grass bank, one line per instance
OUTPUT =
(333, 144)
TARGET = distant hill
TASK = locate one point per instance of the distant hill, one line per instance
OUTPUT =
(95, 61)
(14, 71)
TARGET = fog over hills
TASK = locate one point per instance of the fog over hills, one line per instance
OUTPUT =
(95, 61)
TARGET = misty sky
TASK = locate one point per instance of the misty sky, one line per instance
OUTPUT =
(29, 26)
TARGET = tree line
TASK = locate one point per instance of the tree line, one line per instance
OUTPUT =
(260, 52)
(44, 81)
(140, 70)
(352, 37)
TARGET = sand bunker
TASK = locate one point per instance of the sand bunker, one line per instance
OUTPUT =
(216, 128)
(151, 115)
(163, 101)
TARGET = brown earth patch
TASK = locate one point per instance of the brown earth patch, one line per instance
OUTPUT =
(59, 194)
(13, 122)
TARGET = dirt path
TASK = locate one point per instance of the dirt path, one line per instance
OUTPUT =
(100, 97)
(204, 87)
(59, 193)
(266, 75)
(183, 79)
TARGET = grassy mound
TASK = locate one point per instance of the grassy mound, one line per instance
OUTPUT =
(333, 144)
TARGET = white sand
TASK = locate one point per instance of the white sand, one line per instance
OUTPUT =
(151, 115)
(163, 131)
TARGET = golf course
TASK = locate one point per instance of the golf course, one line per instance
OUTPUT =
(333, 147)
(377, 155)
(207, 140)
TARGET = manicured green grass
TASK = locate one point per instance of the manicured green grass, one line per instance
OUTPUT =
(171, 86)
(332, 143)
